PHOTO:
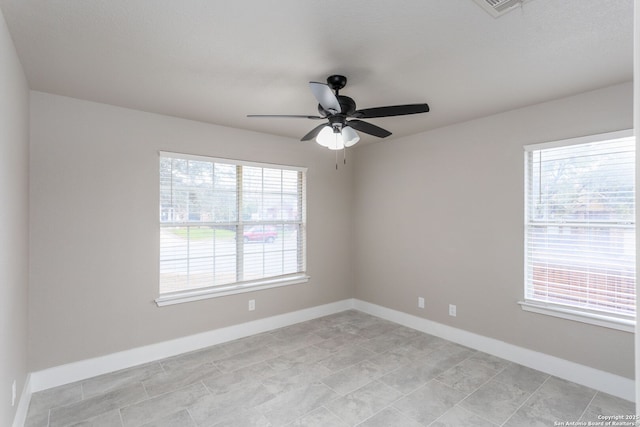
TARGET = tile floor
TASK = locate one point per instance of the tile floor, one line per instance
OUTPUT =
(346, 369)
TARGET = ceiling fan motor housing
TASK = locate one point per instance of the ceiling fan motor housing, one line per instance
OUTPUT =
(347, 107)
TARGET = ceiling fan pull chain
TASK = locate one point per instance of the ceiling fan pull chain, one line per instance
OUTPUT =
(344, 155)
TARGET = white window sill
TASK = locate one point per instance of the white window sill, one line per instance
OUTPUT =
(626, 325)
(221, 291)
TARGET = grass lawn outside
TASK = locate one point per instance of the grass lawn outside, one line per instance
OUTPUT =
(203, 233)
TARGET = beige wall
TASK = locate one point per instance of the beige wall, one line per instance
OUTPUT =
(14, 223)
(94, 219)
(636, 121)
(456, 239)
(440, 215)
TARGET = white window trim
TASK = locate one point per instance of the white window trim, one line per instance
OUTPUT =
(230, 161)
(232, 289)
(179, 297)
(570, 313)
(566, 312)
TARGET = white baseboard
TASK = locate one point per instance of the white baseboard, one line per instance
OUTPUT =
(599, 380)
(23, 404)
(83, 369)
(581, 374)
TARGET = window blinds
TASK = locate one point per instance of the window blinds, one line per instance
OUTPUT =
(580, 226)
(226, 222)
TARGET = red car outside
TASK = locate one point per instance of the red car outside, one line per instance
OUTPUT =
(259, 233)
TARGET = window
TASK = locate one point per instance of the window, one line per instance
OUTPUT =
(228, 226)
(580, 229)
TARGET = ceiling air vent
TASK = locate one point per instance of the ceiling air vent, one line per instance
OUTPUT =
(498, 7)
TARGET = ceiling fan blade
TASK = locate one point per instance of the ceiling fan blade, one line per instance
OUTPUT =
(394, 110)
(287, 116)
(314, 132)
(369, 128)
(325, 96)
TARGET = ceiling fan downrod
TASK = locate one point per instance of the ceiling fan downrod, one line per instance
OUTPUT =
(336, 82)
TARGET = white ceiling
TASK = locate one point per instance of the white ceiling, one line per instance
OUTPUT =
(217, 61)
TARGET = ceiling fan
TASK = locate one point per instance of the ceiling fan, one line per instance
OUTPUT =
(343, 119)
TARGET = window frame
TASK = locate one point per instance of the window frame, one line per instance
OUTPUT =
(242, 286)
(570, 312)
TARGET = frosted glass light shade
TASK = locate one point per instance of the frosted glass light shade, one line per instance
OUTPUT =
(337, 141)
(349, 136)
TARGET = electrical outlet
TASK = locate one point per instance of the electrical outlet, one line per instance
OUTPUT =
(452, 310)
(252, 304)
(13, 393)
(420, 302)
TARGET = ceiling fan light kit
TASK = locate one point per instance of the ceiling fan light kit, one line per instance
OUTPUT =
(343, 120)
(337, 139)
